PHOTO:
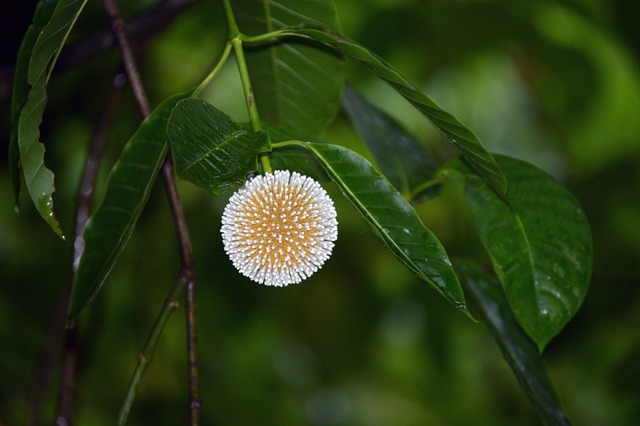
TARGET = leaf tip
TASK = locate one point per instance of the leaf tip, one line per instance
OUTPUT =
(45, 207)
(463, 308)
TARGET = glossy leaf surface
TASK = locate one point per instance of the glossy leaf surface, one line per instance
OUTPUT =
(540, 245)
(519, 350)
(296, 86)
(458, 134)
(403, 159)
(38, 179)
(389, 215)
(128, 188)
(209, 149)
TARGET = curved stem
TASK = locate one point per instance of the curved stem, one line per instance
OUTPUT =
(263, 38)
(215, 70)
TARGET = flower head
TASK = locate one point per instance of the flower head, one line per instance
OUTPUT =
(279, 228)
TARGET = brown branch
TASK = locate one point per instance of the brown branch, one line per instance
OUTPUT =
(187, 270)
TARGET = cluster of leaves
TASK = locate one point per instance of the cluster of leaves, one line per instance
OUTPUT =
(533, 229)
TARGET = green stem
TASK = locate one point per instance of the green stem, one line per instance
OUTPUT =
(266, 37)
(236, 41)
(246, 85)
(266, 163)
(231, 20)
(215, 70)
(145, 357)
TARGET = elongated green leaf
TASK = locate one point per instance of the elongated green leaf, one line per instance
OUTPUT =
(128, 188)
(209, 149)
(42, 15)
(540, 245)
(463, 138)
(519, 350)
(296, 86)
(39, 179)
(389, 215)
(403, 160)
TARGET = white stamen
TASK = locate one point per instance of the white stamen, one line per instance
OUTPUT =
(279, 228)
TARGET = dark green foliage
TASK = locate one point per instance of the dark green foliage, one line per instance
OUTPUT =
(539, 242)
(211, 150)
(530, 228)
(52, 29)
(296, 86)
(402, 159)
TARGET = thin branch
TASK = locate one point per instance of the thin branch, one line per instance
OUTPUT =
(69, 378)
(146, 355)
(118, 26)
(187, 270)
(187, 273)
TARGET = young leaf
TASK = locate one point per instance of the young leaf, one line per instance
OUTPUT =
(464, 139)
(540, 245)
(389, 215)
(128, 188)
(209, 149)
(519, 350)
(39, 179)
(20, 93)
(296, 86)
(402, 159)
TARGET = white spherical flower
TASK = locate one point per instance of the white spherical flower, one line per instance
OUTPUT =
(279, 228)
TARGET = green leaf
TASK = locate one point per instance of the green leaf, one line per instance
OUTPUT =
(20, 93)
(389, 215)
(463, 138)
(296, 86)
(403, 159)
(519, 350)
(128, 188)
(39, 179)
(540, 245)
(211, 150)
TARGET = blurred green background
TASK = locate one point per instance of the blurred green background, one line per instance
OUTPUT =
(363, 342)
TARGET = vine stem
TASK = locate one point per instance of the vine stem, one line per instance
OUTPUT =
(186, 277)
